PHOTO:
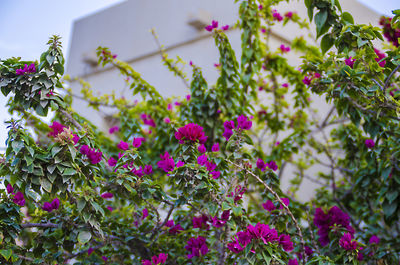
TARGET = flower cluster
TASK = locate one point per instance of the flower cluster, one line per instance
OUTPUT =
(174, 228)
(147, 120)
(350, 61)
(390, 33)
(160, 259)
(58, 128)
(214, 25)
(259, 232)
(369, 143)
(191, 132)
(269, 205)
(347, 242)
(196, 246)
(92, 154)
(166, 163)
(380, 58)
(284, 49)
(238, 193)
(113, 129)
(18, 197)
(243, 123)
(262, 166)
(308, 78)
(27, 69)
(276, 15)
(50, 206)
(326, 221)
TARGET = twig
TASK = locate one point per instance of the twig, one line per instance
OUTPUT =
(161, 225)
(70, 118)
(300, 234)
(389, 77)
(43, 225)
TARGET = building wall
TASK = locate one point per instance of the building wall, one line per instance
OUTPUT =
(125, 29)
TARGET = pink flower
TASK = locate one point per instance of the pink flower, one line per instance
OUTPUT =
(317, 75)
(201, 222)
(202, 160)
(215, 174)
(284, 48)
(218, 222)
(148, 169)
(263, 232)
(289, 14)
(374, 240)
(285, 85)
(306, 80)
(166, 163)
(47, 207)
(19, 199)
(243, 123)
(215, 147)
(176, 229)
(214, 24)
(180, 163)
(276, 16)
(123, 145)
(286, 201)
(112, 162)
(167, 120)
(381, 56)
(349, 61)
(191, 132)
(75, 138)
(227, 134)
(272, 165)
(110, 208)
(210, 166)
(202, 148)
(56, 128)
(113, 129)
(260, 164)
(293, 262)
(260, 7)
(55, 204)
(286, 243)
(229, 125)
(104, 258)
(94, 156)
(226, 27)
(269, 206)
(347, 242)
(85, 149)
(196, 247)
(369, 143)
(209, 28)
(188, 97)
(107, 195)
(137, 142)
(10, 188)
(160, 259)
(90, 251)
(145, 213)
(169, 106)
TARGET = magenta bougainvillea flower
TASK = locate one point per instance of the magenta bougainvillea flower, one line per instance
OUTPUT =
(210, 166)
(104, 258)
(167, 120)
(286, 243)
(147, 120)
(10, 188)
(196, 247)
(110, 208)
(93, 155)
(26, 70)
(215, 174)
(90, 251)
(160, 259)
(113, 129)
(215, 147)
(201, 222)
(263, 232)
(347, 242)
(112, 162)
(176, 229)
(202, 160)
(272, 165)
(260, 164)
(202, 148)
(286, 201)
(148, 169)
(50, 206)
(123, 145)
(293, 262)
(191, 132)
(145, 213)
(229, 125)
(381, 56)
(349, 61)
(238, 193)
(56, 128)
(289, 14)
(369, 143)
(137, 142)
(374, 240)
(243, 123)
(325, 221)
(276, 15)
(240, 241)
(306, 80)
(269, 206)
(107, 195)
(284, 48)
(227, 134)
(226, 27)
(166, 163)
(180, 164)
(19, 199)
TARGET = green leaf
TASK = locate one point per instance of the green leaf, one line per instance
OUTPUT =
(6, 253)
(392, 195)
(72, 151)
(320, 19)
(84, 237)
(17, 146)
(59, 68)
(326, 43)
(347, 17)
(81, 204)
(69, 171)
(46, 184)
(55, 150)
(389, 208)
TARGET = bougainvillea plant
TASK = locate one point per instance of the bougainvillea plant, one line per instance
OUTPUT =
(197, 180)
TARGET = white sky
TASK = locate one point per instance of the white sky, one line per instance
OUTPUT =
(26, 26)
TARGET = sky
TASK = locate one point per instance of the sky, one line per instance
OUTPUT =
(26, 26)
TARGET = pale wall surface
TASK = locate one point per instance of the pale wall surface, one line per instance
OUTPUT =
(125, 29)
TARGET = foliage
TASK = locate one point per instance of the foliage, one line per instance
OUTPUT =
(197, 181)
